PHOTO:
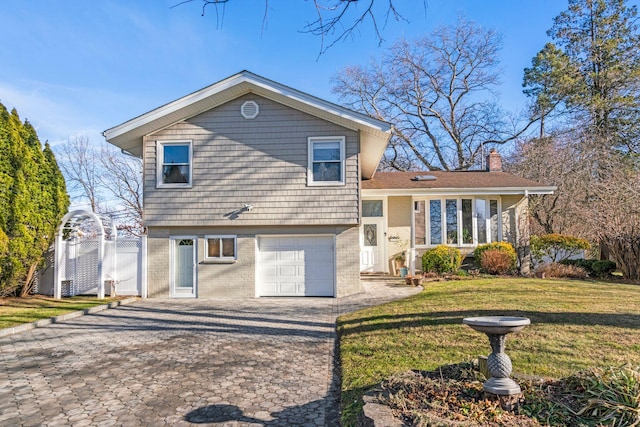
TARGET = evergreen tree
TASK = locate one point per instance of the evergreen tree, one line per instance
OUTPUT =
(32, 202)
(587, 82)
(592, 71)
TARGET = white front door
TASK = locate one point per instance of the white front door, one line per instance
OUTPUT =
(183, 267)
(372, 239)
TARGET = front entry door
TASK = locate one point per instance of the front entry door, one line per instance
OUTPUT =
(183, 274)
(372, 245)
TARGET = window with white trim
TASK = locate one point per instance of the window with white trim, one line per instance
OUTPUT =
(220, 248)
(326, 161)
(467, 221)
(174, 165)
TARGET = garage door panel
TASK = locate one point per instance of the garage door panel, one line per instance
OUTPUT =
(296, 266)
(268, 256)
(324, 256)
(269, 287)
(288, 255)
(290, 288)
(287, 271)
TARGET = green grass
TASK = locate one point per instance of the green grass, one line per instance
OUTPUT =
(575, 325)
(16, 311)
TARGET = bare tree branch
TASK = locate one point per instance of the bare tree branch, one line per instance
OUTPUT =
(78, 165)
(336, 20)
(439, 92)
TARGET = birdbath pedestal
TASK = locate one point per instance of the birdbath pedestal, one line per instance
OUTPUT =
(497, 328)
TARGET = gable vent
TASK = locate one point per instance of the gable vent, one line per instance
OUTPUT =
(249, 110)
(424, 178)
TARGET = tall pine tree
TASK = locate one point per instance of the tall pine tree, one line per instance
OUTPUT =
(591, 71)
(33, 200)
(586, 82)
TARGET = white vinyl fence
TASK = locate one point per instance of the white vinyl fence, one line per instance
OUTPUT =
(122, 268)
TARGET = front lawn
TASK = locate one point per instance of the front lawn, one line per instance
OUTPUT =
(575, 325)
(16, 311)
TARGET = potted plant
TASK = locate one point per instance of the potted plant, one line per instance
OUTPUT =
(413, 280)
(400, 264)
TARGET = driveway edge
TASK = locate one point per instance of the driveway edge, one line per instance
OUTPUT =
(44, 322)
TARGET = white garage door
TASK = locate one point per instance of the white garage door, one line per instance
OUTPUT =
(296, 266)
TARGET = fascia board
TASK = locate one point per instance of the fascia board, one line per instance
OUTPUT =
(268, 87)
(172, 107)
(329, 107)
(505, 191)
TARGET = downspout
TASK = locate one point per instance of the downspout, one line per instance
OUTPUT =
(412, 240)
(144, 289)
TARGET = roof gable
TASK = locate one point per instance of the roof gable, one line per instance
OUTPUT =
(374, 134)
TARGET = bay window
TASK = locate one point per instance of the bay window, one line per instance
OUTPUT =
(468, 221)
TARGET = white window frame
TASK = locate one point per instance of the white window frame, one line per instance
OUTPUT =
(221, 258)
(312, 140)
(443, 220)
(160, 163)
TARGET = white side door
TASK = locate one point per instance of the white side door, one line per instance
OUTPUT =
(183, 254)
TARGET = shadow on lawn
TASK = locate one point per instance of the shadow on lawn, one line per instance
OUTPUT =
(412, 320)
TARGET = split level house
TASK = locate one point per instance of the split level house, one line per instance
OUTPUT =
(255, 189)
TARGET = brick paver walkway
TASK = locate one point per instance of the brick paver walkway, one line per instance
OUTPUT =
(263, 362)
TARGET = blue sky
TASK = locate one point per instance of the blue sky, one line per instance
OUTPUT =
(79, 67)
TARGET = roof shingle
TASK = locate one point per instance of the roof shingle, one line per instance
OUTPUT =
(453, 180)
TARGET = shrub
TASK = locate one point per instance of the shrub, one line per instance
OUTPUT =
(441, 259)
(593, 267)
(556, 247)
(587, 264)
(556, 269)
(494, 261)
(495, 246)
(603, 268)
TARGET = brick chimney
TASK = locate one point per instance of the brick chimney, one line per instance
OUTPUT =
(494, 161)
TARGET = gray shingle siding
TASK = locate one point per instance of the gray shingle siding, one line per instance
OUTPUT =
(262, 161)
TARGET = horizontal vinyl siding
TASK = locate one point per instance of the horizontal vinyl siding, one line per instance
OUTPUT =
(262, 161)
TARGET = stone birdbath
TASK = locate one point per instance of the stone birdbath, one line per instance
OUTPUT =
(499, 364)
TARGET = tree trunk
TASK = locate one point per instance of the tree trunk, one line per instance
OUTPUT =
(28, 281)
(625, 251)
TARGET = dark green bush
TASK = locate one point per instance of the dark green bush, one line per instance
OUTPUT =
(441, 259)
(593, 267)
(603, 268)
(580, 262)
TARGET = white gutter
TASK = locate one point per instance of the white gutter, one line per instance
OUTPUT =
(504, 191)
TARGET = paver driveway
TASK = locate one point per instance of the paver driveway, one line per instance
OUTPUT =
(260, 362)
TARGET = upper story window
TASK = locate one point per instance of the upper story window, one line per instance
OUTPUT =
(326, 161)
(174, 164)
